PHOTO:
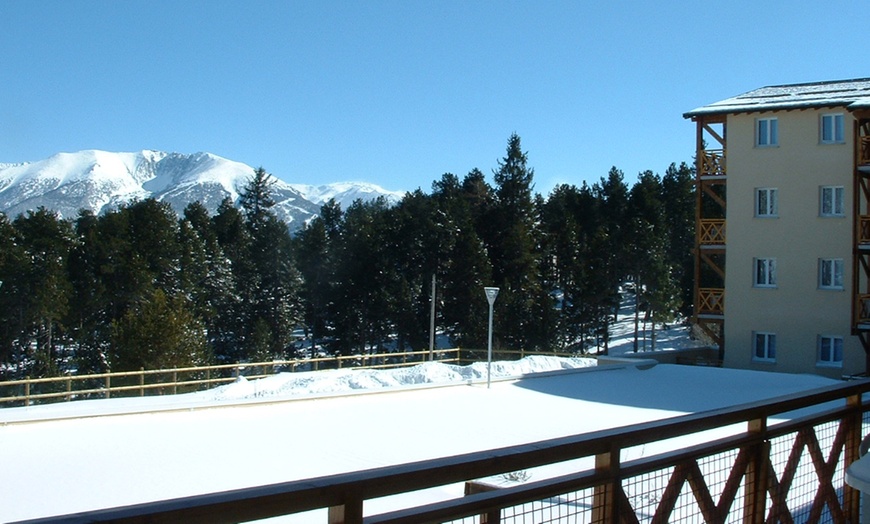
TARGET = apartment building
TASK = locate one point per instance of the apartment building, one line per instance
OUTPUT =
(782, 258)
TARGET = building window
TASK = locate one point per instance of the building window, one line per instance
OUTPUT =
(832, 201)
(765, 272)
(832, 129)
(830, 273)
(830, 351)
(766, 202)
(766, 132)
(764, 346)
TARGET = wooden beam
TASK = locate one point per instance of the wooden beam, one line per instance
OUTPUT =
(714, 134)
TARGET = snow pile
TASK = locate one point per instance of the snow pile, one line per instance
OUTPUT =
(313, 383)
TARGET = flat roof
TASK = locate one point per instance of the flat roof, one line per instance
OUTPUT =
(79, 464)
(851, 94)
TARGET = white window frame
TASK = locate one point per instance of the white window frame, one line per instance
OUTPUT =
(831, 274)
(764, 272)
(833, 346)
(763, 346)
(832, 128)
(766, 132)
(769, 206)
(832, 201)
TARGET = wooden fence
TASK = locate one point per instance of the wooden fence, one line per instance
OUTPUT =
(768, 470)
(184, 380)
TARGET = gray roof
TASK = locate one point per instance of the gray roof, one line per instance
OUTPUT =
(852, 94)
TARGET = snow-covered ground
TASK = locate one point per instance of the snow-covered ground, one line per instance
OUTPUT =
(84, 455)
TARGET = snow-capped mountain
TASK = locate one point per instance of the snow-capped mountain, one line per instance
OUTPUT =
(345, 193)
(100, 180)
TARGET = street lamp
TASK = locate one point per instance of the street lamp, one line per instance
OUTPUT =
(491, 293)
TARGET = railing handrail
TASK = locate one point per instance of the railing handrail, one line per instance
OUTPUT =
(356, 487)
(448, 355)
(175, 383)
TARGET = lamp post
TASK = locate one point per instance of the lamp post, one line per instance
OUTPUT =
(491, 293)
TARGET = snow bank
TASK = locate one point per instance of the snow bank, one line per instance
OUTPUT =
(299, 384)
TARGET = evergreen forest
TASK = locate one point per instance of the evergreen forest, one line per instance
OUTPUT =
(142, 287)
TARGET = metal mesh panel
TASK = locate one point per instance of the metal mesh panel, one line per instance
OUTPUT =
(644, 492)
(682, 493)
(568, 508)
(799, 461)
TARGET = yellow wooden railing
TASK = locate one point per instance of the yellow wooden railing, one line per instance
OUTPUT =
(711, 301)
(172, 381)
(183, 380)
(864, 229)
(712, 231)
(864, 151)
(712, 162)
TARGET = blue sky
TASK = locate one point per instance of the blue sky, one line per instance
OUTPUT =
(399, 92)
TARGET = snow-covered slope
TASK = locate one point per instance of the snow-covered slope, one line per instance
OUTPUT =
(101, 180)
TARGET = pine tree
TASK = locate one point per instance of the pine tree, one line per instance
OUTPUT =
(158, 332)
(363, 281)
(275, 300)
(256, 198)
(678, 197)
(237, 315)
(513, 254)
(314, 256)
(88, 322)
(13, 265)
(210, 282)
(43, 286)
(466, 265)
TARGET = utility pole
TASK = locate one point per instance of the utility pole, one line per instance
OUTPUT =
(432, 323)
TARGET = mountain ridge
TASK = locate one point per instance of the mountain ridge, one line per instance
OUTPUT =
(99, 180)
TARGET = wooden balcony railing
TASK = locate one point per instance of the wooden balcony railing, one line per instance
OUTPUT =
(765, 470)
(711, 301)
(864, 229)
(712, 232)
(863, 309)
(712, 162)
(864, 151)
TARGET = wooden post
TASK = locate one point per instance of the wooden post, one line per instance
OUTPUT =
(492, 516)
(349, 513)
(755, 483)
(174, 382)
(68, 389)
(141, 382)
(27, 391)
(604, 494)
(108, 386)
(851, 496)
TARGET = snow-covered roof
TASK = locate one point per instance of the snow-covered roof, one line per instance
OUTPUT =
(851, 94)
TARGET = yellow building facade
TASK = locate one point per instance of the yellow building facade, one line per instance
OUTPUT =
(781, 265)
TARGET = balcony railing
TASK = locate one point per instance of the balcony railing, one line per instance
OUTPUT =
(863, 309)
(864, 229)
(712, 232)
(712, 162)
(711, 301)
(864, 151)
(774, 467)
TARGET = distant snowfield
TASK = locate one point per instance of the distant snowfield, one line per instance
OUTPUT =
(304, 425)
